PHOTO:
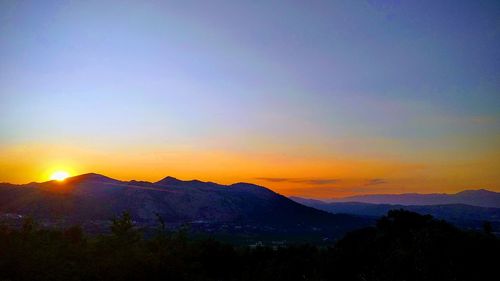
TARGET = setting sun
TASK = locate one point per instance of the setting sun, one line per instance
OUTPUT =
(59, 175)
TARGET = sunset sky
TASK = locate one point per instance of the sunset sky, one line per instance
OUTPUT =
(311, 98)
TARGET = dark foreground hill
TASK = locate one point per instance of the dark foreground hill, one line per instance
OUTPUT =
(401, 246)
(96, 198)
(459, 214)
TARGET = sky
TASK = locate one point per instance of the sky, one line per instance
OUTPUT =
(318, 99)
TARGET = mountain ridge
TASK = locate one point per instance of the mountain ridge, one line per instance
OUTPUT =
(462, 215)
(94, 197)
(474, 197)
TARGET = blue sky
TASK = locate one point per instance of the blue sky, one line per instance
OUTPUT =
(403, 80)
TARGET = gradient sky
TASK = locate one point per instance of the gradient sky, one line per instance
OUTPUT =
(311, 98)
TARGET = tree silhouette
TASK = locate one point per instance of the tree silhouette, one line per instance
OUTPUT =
(401, 246)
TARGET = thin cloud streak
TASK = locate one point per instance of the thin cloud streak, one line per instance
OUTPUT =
(304, 181)
(375, 181)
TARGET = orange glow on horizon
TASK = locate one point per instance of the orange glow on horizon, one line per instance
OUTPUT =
(321, 175)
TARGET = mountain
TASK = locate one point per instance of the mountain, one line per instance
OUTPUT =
(480, 197)
(94, 197)
(459, 214)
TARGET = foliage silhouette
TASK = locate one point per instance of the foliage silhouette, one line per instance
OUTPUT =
(401, 246)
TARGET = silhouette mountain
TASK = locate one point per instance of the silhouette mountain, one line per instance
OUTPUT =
(169, 180)
(91, 177)
(460, 214)
(96, 197)
(481, 198)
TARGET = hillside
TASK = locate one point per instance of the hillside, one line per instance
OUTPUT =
(93, 197)
(460, 214)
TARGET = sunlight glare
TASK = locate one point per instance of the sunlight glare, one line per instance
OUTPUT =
(59, 175)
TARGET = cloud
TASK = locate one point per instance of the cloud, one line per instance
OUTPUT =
(318, 181)
(304, 181)
(321, 181)
(328, 192)
(273, 179)
(375, 181)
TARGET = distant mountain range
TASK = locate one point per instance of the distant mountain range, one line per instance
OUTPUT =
(94, 197)
(480, 197)
(470, 208)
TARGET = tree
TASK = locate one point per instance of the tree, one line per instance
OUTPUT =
(124, 229)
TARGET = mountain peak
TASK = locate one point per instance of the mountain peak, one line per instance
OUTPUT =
(476, 192)
(169, 180)
(92, 177)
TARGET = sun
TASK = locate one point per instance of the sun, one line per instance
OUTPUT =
(59, 175)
